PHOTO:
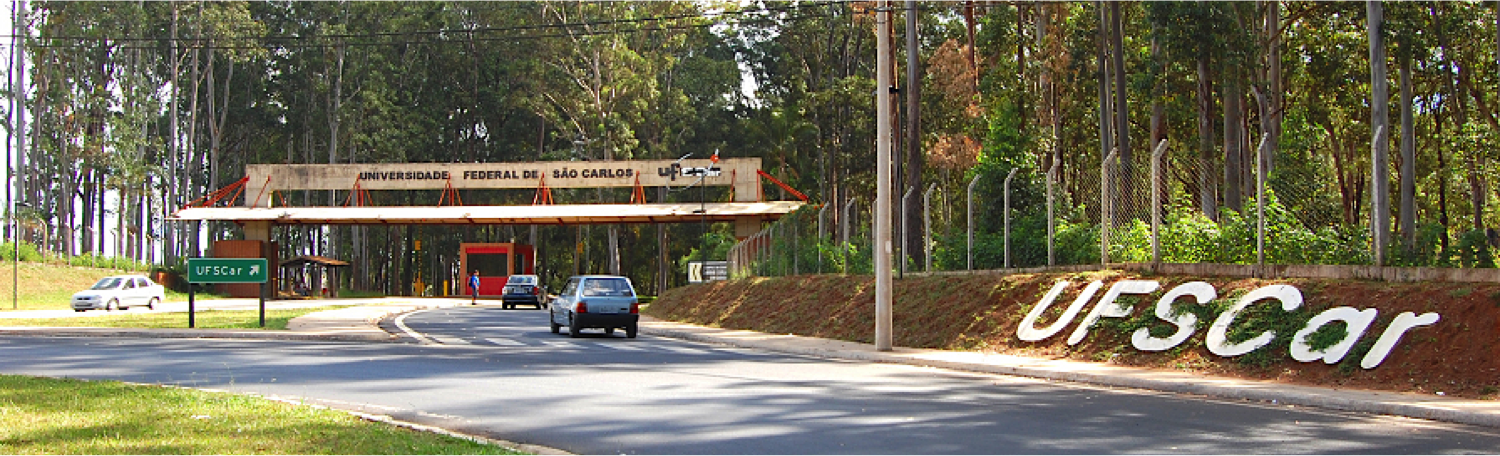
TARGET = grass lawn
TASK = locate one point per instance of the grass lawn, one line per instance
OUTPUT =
(51, 287)
(61, 416)
(203, 319)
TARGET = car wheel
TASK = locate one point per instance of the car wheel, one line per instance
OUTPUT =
(111, 305)
(609, 331)
(552, 320)
(79, 310)
(630, 331)
(573, 328)
(151, 304)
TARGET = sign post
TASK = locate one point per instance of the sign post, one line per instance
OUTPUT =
(227, 270)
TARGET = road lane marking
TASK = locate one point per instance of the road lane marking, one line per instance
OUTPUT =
(684, 350)
(615, 346)
(401, 324)
(504, 342)
(445, 340)
(559, 344)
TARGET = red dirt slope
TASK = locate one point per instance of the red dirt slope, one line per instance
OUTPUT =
(1457, 356)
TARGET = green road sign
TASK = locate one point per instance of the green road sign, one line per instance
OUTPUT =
(226, 270)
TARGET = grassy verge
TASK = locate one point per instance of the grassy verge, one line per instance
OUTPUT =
(203, 319)
(60, 416)
(44, 286)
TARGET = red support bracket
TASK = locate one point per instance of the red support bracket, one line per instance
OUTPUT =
(209, 200)
(450, 194)
(783, 186)
(358, 195)
(263, 191)
(543, 193)
(638, 194)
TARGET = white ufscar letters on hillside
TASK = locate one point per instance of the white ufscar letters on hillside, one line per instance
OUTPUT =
(1357, 321)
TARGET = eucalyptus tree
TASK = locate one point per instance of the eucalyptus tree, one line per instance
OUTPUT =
(819, 61)
(79, 66)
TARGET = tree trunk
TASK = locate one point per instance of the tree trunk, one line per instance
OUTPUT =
(1207, 194)
(1126, 177)
(1106, 135)
(1272, 114)
(195, 162)
(913, 168)
(335, 99)
(1444, 114)
(1380, 208)
(169, 195)
(1408, 210)
(1234, 142)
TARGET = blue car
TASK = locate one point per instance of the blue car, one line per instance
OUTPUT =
(596, 301)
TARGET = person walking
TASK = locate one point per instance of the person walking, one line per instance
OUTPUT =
(474, 288)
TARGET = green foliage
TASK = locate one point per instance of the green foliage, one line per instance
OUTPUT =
(99, 261)
(1258, 319)
(1189, 237)
(713, 246)
(1327, 335)
(29, 252)
(1473, 250)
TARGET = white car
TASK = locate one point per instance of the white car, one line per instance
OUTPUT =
(119, 292)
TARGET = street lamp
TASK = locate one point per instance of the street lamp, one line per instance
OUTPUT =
(15, 267)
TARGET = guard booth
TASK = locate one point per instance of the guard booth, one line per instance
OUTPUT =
(496, 262)
(246, 249)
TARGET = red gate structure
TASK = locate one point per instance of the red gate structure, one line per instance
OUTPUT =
(496, 262)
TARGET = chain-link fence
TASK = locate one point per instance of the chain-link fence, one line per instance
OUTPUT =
(1189, 208)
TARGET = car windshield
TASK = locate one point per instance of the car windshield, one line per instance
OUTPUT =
(521, 280)
(107, 283)
(607, 287)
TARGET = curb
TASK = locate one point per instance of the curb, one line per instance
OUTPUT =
(195, 334)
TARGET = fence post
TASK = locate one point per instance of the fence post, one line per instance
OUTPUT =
(819, 236)
(1051, 219)
(1106, 214)
(1008, 177)
(1260, 201)
(1156, 156)
(971, 220)
(927, 226)
(795, 253)
(905, 246)
(734, 263)
(848, 214)
(771, 250)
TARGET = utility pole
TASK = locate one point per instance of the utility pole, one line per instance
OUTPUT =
(882, 253)
(18, 92)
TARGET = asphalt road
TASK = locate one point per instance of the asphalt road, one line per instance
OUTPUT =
(502, 374)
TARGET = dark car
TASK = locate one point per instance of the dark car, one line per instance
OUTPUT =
(523, 289)
(594, 301)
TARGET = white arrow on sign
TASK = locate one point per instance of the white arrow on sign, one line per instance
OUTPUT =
(254, 269)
